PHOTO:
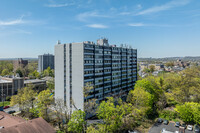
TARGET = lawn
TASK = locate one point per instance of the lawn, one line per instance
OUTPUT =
(5, 103)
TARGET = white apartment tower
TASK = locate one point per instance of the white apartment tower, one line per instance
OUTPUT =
(109, 69)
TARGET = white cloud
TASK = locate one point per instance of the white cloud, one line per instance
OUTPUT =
(8, 32)
(136, 24)
(86, 15)
(171, 4)
(125, 13)
(99, 26)
(59, 5)
(139, 6)
(149, 25)
(12, 22)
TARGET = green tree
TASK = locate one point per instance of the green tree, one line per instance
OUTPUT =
(32, 66)
(161, 82)
(140, 98)
(187, 86)
(77, 122)
(196, 112)
(48, 72)
(168, 115)
(169, 64)
(6, 65)
(152, 68)
(146, 70)
(146, 85)
(189, 112)
(19, 71)
(91, 129)
(112, 114)
(24, 98)
(186, 112)
(34, 75)
(5, 72)
(51, 85)
(44, 99)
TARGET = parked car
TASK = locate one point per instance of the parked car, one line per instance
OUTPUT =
(159, 120)
(5, 107)
(184, 125)
(177, 124)
(196, 129)
(189, 127)
(165, 131)
(11, 112)
(133, 131)
(166, 122)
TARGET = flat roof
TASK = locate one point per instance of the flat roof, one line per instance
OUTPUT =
(33, 81)
(5, 81)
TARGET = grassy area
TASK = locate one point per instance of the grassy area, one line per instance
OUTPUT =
(5, 103)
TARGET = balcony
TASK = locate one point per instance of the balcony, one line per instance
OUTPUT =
(88, 80)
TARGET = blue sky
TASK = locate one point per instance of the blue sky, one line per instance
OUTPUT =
(157, 28)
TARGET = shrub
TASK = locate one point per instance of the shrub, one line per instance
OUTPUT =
(168, 115)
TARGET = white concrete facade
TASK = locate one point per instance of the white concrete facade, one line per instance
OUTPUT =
(62, 68)
(77, 75)
(59, 71)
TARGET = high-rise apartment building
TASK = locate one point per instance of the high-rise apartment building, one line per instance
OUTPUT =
(45, 61)
(109, 69)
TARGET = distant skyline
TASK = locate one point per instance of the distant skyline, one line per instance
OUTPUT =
(167, 28)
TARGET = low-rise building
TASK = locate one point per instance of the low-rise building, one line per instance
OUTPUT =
(10, 85)
(180, 63)
(39, 84)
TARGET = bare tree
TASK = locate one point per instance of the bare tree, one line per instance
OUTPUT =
(61, 113)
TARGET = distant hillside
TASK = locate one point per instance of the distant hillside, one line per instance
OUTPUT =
(186, 58)
(10, 59)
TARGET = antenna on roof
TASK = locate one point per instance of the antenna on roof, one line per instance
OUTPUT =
(58, 42)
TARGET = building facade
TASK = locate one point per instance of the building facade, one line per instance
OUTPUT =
(10, 85)
(111, 70)
(19, 63)
(45, 61)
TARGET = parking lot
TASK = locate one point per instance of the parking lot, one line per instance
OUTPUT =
(157, 127)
